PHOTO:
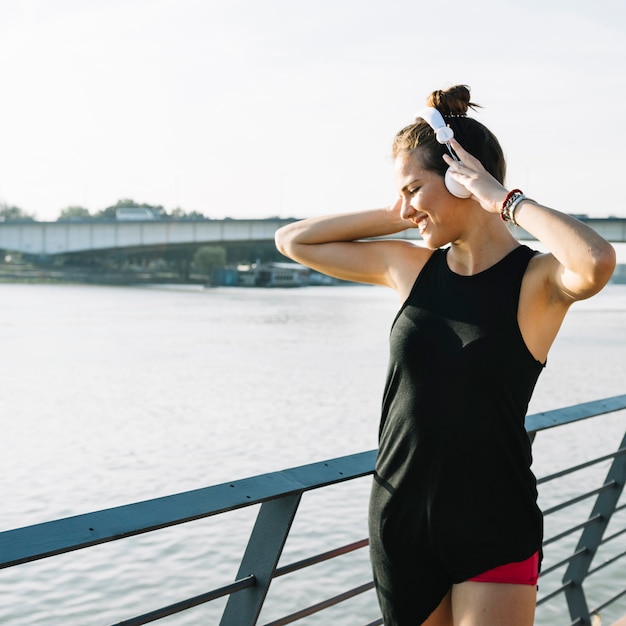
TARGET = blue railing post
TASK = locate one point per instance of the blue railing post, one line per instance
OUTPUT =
(260, 559)
(591, 537)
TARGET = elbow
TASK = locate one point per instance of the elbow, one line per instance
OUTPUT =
(282, 240)
(604, 261)
(605, 264)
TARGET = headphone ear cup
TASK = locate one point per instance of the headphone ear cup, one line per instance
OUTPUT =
(454, 187)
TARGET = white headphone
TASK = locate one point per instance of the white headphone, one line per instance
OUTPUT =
(443, 134)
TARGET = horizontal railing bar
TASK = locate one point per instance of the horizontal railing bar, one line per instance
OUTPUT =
(568, 415)
(315, 608)
(554, 593)
(613, 536)
(606, 563)
(619, 508)
(592, 520)
(610, 485)
(73, 533)
(183, 605)
(565, 561)
(608, 602)
(39, 541)
(576, 468)
(320, 558)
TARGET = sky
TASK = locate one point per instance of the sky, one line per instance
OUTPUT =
(287, 108)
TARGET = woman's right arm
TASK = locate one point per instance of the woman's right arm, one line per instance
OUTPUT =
(333, 245)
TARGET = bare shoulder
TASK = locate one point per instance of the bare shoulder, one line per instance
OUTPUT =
(540, 266)
(407, 261)
(544, 279)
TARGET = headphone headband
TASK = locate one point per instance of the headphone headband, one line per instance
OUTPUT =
(443, 134)
(435, 120)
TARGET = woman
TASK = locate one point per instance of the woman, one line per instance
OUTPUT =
(455, 531)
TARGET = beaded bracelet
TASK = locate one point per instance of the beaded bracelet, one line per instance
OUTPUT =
(513, 198)
(509, 196)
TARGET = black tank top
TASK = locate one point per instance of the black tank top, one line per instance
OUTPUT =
(453, 493)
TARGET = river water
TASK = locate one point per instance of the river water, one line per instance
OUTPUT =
(112, 395)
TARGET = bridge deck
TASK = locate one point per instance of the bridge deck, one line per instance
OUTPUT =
(52, 238)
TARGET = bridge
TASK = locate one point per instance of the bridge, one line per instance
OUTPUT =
(68, 237)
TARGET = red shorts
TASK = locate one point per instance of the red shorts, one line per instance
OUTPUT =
(522, 573)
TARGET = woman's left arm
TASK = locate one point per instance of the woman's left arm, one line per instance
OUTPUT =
(580, 262)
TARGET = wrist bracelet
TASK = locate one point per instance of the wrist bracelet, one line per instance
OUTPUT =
(513, 198)
(509, 195)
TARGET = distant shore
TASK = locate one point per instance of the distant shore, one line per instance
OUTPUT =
(27, 273)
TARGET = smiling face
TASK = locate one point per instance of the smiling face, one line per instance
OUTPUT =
(426, 202)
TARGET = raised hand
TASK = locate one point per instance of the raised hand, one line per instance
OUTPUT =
(470, 173)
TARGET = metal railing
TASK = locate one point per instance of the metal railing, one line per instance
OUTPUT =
(279, 495)
(605, 499)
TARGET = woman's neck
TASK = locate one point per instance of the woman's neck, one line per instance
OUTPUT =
(481, 247)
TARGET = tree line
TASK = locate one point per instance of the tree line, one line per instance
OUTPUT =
(9, 212)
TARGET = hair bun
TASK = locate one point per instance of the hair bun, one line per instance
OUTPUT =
(454, 101)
